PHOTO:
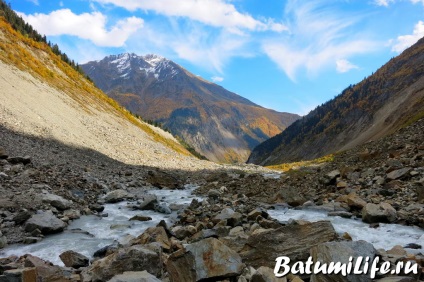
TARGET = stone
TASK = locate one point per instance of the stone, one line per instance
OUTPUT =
(96, 207)
(208, 259)
(257, 212)
(399, 173)
(343, 214)
(163, 208)
(31, 240)
(3, 241)
(55, 201)
(355, 202)
(74, 259)
(375, 213)
(214, 194)
(19, 160)
(46, 222)
(105, 251)
(20, 275)
(289, 195)
(140, 218)
(397, 250)
(3, 154)
(117, 196)
(162, 179)
(233, 218)
(21, 217)
(331, 177)
(181, 232)
(397, 279)
(341, 252)
(153, 235)
(149, 202)
(420, 193)
(134, 258)
(72, 214)
(266, 274)
(135, 276)
(45, 271)
(294, 241)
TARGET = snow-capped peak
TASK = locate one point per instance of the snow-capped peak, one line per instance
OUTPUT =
(153, 59)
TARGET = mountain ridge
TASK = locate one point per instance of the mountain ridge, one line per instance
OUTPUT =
(218, 123)
(377, 106)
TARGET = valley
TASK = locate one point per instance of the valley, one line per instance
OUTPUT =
(91, 190)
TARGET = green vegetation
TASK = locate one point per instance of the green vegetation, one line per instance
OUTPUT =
(296, 165)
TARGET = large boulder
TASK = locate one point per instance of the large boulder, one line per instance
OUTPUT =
(293, 241)
(341, 252)
(291, 196)
(134, 258)
(46, 222)
(163, 179)
(149, 202)
(117, 196)
(208, 259)
(74, 259)
(134, 276)
(374, 213)
(56, 201)
(233, 218)
(45, 270)
(153, 235)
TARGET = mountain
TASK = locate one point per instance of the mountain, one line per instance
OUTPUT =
(219, 124)
(44, 96)
(377, 106)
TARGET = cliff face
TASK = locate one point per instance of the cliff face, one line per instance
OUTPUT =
(219, 124)
(379, 105)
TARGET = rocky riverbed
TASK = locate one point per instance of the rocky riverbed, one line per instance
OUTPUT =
(232, 234)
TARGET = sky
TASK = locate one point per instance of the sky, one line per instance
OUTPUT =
(286, 55)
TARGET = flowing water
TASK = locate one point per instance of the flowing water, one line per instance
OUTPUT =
(100, 234)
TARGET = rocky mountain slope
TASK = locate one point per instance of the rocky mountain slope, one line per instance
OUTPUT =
(379, 105)
(219, 124)
(43, 96)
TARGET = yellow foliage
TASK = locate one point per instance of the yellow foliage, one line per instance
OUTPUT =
(296, 165)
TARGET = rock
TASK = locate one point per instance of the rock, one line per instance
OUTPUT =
(331, 177)
(3, 241)
(18, 275)
(4, 175)
(134, 258)
(420, 192)
(74, 259)
(46, 222)
(206, 259)
(383, 212)
(31, 240)
(354, 201)
(343, 214)
(56, 201)
(397, 174)
(45, 271)
(257, 212)
(397, 250)
(105, 251)
(96, 207)
(341, 252)
(148, 203)
(289, 195)
(412, 246)
(233, 218)
(162, 179)
(72, 214)
(3, 154)
(265, 274)
(293, 241)
(19, 160)
(163, 208)
(117, 196)
(153, 235)
(214, 194)
(140, 218)
(181, 232)
(21, 217)
(120, 226)
(134, 276)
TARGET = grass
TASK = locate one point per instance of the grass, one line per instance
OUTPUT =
(296, 165)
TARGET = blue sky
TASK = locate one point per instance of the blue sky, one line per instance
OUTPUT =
(286, 55)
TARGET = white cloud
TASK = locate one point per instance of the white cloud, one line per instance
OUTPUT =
(90, 26)
(343, 66)
(384, 3)
(35, 2)
(216, 13)
(217, 78)
(319, 34)
(405, 41)
(417, 1)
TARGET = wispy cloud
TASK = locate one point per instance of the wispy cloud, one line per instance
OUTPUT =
(216, 13)
(343, 66)
(217, 79)
(90, 26)
(417, 1)
(319, 36)
(35, 2)
(384, 3)
(405, 41)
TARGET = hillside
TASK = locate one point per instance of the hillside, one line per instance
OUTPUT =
(43, 96)
(219, 124)
(379, 105)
